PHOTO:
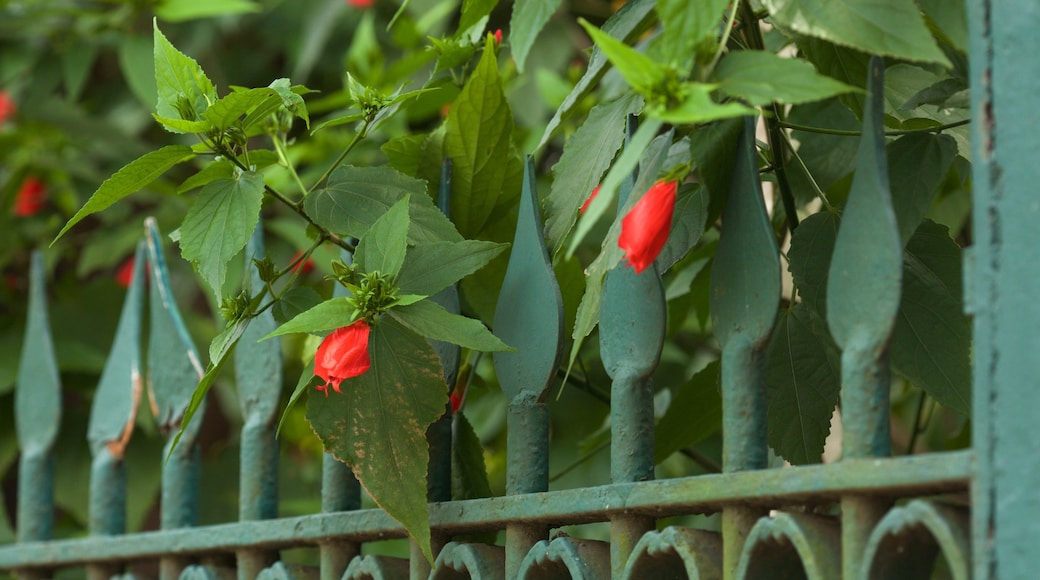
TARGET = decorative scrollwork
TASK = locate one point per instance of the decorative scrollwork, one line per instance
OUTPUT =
(675, 551)
(459, 561)
(906, 542)
(565, 558)
(374, 567)
(792, 546)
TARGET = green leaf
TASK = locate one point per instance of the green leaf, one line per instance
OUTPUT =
(529, 17)
(626, 24)
(429, 319)
(641, 72)
(430, 268)
(712, 149)
(931, 341)
(469, 479)
(885, 27)
(809, 258)
(291, 98)
(697, 106)
(479, 142)
(182, 126)
(225, 112)
(761, 78)
(405, 153)
(689, 28)
(694, 413)
(328, 315)
(383, 246)
(840, 63)
(219, 224)
(688, 219)
(473, 11)
(917, 165)
(132, 177)
(295, 300)
(586, 156)
(307, 378)
(355, 197)
(378, 424)
(951, 19)
(803, 381)
(220, 169)
(180, 81)
(181, 10)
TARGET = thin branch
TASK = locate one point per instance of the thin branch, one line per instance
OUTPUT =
(894, 133)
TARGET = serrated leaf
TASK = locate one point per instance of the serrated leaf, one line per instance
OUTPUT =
(378, 424)
(292, 99)
(179, 79)
(219, 224)
(628, 22)
(951, 18)
(885, 27)
(382, 248)
(182, 126)
(688, 219)
(328, 315)
(296, 300)
(355, 197)
(478, 139)
(469, 479)
(687, 26)
(760, 78)
(694, 413)
(809, 258)
(917, 165)
(221, 169)
(641, 72)
(586, 156)
(931, 341)
(405, 153)
(227, 110)
(430, 268)
(529, 17)
(840, 63)
(431, 320)
(132, 177)
(803, 381)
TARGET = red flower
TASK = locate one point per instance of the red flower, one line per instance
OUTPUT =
(644, 230)
(588, 202)
(360, 3)
(30, 198)
(7, 107)
(456, 401)
(125, 273)
(498, 36)
(342, 355)
(305, 267)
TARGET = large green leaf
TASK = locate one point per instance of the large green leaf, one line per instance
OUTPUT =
(886, 27)
(469, 478)
(803, 380)
(383, 246)
(694, 413)
(761, 78)
(328, 315)
(688, 219)
(355, 197)
(431, 320)
(131, 178)
(951, 18)
(478, 140)
(645, 75)
(586, 156)
(931, 341)
(180, 81)
(529, 17)
(430, 268)
(917, 165)
(690, 30)
(838, 62)
(226, 111)
(712, 148)
(809, 258)
(378, 424)
(219, 224)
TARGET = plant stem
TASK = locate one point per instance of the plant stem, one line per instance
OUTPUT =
(279, 146)
(894, 133)
(812, 180)
(730, 18)
(917, 423)
(350, 146)
(774, 129)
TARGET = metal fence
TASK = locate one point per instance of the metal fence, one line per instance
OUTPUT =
(896, 519)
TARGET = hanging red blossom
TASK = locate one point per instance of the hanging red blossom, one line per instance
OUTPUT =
(305, 267)
(7, 107)
(342, 355)
(125, 273)
(645, 229)
(588, 202)
(31, 197)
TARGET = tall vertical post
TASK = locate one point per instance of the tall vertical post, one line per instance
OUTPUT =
(745, 298)
(37, 414)
(864, 285)
(258, 374)
(113, 415)
(529, 317)
(1005, 79)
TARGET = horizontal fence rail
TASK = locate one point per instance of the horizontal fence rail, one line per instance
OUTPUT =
(898, 515)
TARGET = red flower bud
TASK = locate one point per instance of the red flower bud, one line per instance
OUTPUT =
(498, 36)
(645, 229)
(588, 202)
(30, 198)
(456, 401)
(360, 3)
(7, 107)
(305, 267)
(342, 355)
(125, 273)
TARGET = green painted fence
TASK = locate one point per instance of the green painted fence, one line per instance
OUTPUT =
(896, 518)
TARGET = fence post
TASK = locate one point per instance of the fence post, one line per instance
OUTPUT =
(1003, 285)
